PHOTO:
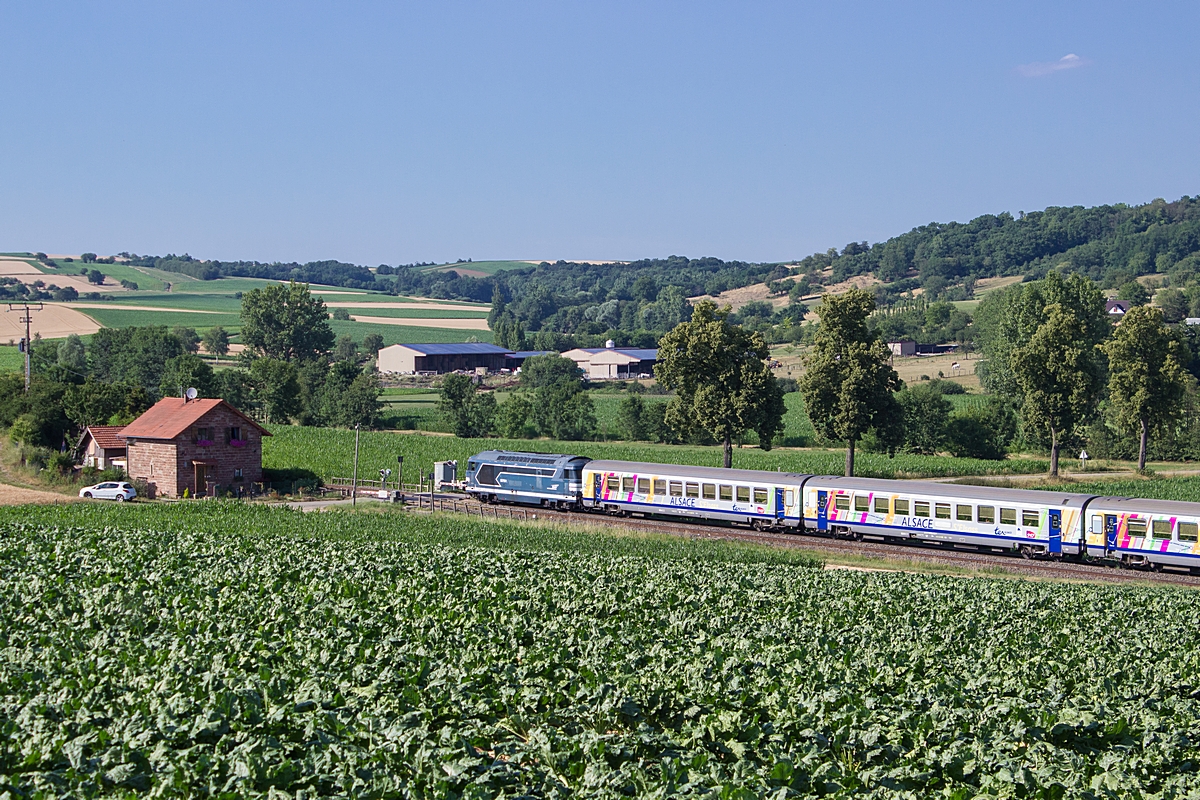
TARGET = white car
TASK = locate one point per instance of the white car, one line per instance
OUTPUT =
(110, 490)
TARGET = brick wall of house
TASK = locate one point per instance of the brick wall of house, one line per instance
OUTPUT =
(169, 464)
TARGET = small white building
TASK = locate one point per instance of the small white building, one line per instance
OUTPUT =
(604, 363)
(906, 348)
(406, 359)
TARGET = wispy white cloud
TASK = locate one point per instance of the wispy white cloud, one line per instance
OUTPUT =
(1039, 68)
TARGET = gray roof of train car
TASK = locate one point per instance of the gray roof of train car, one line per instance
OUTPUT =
(955, 490)
(748, 475)
(515, 457)
(1142, 505)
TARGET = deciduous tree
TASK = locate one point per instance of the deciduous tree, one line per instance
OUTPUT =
(1061, 376)
(286, 322)
(216, 341)
(721, 380)
(849, 384)
(1147, 382)
(470, 413)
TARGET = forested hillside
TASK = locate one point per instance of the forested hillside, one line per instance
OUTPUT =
(565, 304)
(1110, 244)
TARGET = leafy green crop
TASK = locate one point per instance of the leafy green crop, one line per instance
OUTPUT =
(216, 650)
(330, 451)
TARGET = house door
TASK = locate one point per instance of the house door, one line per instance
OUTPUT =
(201, 479)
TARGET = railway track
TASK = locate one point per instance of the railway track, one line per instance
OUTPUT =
(919, 553)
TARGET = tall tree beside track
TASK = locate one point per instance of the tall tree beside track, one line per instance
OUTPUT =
(849, 383)
(286, 322)
(1008, 319)
(1060, 372)
(721, 380)
(1148, 382)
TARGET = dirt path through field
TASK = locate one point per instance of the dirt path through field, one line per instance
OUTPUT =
(18, 496)
(414, 306)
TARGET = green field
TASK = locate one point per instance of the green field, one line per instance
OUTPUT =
(11, 359)
(115, 272)
(127, 318)
(330, 452)
(228, 651)
(488, 267)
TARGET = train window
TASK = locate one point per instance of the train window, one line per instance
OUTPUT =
(709, 491)
(942, 511)
(743, 494)
(1008, 516)
(643, 485)
(693, 490)
(676, 488)
(920, 509)
(1161, 528)
(1097, 524)
(986, 515)
(726, 493)
(788, 498)
(760, 494)
(1137, 527)
(901, 507)
(862, 502)
(1187, 531)
(627, 484)
(660, 486)
(614, 483)
(1030, 519)
(881, 504)
(842, 502)
(962, 513)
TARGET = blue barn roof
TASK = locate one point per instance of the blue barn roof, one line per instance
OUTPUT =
(458, 348)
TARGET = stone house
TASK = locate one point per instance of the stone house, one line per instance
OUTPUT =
(101, 446)
(203, 447)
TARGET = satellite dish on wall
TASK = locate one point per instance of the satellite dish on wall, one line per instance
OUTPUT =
(191, 393)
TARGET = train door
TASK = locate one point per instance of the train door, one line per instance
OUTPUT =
(780, 508)
(1110, 531)
(598, 485)
(1055, 530)
(822, 510)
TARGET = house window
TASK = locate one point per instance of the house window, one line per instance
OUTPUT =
(203, 434)
(237, 474)
(235, 434)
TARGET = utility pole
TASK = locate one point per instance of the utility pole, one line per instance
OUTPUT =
(26, 317)
(354, 491)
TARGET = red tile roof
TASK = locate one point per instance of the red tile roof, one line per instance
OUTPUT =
(171, 416)
(107, 437)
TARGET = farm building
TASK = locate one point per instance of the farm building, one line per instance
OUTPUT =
(406, 359)
(517, 359)
(102, 447)
(599, 363)
(203, 447)
(904, 348)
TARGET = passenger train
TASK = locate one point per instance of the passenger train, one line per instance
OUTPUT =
(1136, 532)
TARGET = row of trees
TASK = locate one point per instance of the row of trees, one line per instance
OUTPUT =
(1049, 346)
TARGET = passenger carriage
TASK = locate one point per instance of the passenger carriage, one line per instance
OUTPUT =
(1144, 532)
(751, 497)
(541, 479)
(1032, 522)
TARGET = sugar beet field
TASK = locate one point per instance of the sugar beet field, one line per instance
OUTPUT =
(217, 650)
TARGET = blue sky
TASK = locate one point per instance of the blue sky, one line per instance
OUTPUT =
(392, 132)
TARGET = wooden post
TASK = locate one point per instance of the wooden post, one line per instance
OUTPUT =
(354, 487)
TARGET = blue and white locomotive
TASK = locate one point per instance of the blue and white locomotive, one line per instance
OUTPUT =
(541, 479)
